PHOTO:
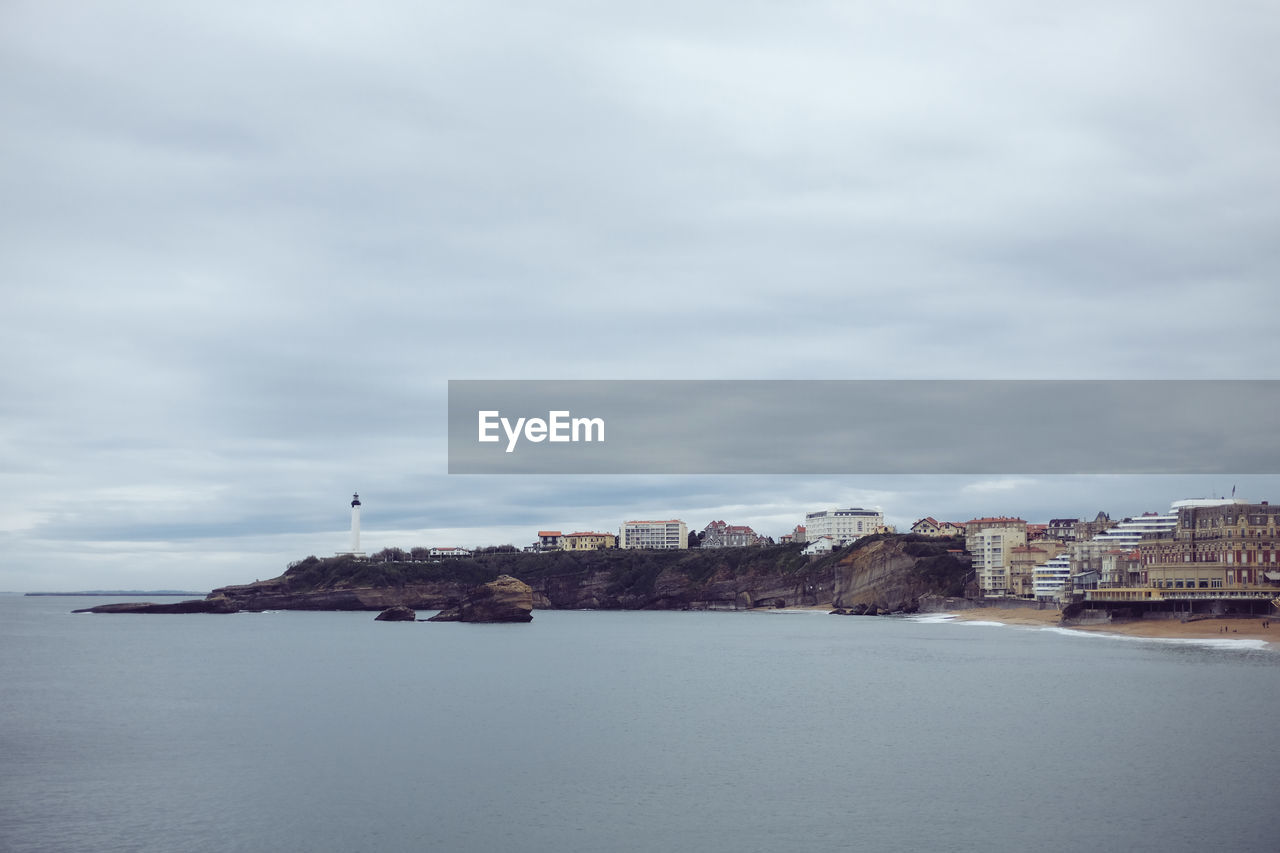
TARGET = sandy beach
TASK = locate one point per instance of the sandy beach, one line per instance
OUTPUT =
(1218, 628)
(1240, 628)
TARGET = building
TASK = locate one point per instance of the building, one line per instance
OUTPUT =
(438, 553)
(1062, 529)
(717, 534)
(820, 545)
(799, 534)
(1023, 560)
(1122, 568)
(991, 541)
(653, 534)
(1203, 556)
(587, 541)
(1085, 530)
(1050, 579)
(1040, 568)
(927, 526)
(1087, 554)
(1215, 545)
(930, 526)
(548, 540)
(842, 525)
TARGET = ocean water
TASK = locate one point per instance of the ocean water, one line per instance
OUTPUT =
(632, 731)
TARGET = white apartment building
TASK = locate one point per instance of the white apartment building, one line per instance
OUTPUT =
(449, 552)
(842, 525)
(653, 534)
(1050, 578)
(991, 542)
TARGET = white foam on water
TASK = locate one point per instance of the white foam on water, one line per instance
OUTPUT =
(1247, 644)
(1209, 642)
(798, 610)
(933, 618)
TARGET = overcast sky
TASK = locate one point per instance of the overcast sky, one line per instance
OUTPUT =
(244, 247)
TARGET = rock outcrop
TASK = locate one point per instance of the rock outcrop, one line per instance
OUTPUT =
(505, 599)
(397, 613)
(891, 575)
(198, 605)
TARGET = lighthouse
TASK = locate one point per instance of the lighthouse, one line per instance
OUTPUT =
(355, 528)
(355, 523)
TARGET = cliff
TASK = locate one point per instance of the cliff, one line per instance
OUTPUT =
(726, 578)
(890, 572)
(887, 574)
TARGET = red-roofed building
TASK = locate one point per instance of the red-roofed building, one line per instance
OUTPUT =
(450, 552)
(930, 526)
(548, 540)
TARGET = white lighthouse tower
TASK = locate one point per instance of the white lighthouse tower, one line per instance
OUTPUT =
(355, 529)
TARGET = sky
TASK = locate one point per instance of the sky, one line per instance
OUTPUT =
(244, 249)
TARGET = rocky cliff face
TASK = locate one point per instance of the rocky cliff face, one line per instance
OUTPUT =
(726, 579)
(891, 574)
(672, 589)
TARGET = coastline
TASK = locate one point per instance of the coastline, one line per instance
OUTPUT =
(1237, 628)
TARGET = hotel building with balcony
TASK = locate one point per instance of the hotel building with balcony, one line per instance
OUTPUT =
(1217, 556)
(842, 525)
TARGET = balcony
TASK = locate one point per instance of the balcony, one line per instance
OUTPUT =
(1237, 593)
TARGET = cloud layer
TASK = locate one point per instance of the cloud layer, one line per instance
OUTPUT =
(244, 249)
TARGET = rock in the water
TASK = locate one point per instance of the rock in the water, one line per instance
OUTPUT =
(398, 613)
(503, 600)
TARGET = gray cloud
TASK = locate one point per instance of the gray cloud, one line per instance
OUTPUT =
(244, 249)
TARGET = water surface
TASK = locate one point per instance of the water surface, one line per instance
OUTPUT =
(627, 731)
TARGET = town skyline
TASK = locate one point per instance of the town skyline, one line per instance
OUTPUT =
(244, 550)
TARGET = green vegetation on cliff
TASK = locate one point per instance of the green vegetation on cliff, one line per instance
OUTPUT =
(892, 571)
(629, 571)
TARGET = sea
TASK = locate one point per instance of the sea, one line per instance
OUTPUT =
(626, 731)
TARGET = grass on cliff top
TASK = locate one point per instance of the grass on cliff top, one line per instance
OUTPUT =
(629, 570)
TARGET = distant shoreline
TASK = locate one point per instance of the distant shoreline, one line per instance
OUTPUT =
(1217, 628)
(169, 593)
